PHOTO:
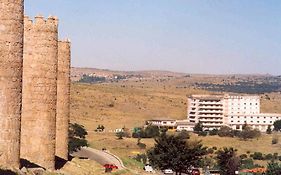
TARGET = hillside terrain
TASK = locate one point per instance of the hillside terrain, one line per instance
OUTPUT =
(129, 102)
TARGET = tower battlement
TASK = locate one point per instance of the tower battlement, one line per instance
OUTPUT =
(41, 23)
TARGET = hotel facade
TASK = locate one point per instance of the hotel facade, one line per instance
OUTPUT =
(214, 111)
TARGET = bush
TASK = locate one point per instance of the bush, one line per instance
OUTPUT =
(269, 130)
(203, 133)
(210, 151)
(213, 132)
(273, 169)
(198, 127)
(249, 133)
(225, 132)
(275, 141)
(184, 134)
(257, 156)
(151, 131)
(244, 156)
(141, 158)
(268, 157)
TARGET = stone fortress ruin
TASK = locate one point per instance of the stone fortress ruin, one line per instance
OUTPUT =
(34, 88)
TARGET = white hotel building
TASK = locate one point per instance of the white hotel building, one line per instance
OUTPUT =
(214, 111)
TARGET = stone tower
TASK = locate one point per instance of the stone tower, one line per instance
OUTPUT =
(38, 129)
(63, 99)
(11, 55)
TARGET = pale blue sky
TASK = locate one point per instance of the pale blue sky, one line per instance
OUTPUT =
(193, 36)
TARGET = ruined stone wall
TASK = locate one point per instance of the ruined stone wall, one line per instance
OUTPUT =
(63, 99)
(11, 50)
(39, 91)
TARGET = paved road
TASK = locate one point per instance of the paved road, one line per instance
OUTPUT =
(99, 156)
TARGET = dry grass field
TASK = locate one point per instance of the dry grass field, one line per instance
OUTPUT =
(130, 103)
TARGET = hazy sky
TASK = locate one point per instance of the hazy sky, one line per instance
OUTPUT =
(194, 36)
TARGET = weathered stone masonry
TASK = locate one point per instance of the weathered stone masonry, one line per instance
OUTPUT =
(38, 130)
(11, 55)
(63, 99)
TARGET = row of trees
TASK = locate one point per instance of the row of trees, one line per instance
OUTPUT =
(246, 133)
(182, 155)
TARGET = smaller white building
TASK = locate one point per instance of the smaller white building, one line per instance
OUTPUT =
(256, 121)
(163, 123)
(185, 125)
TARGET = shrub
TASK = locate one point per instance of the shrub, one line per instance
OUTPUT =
(210, 151)
(257, 156)
(268, 157)
(213, 132)
(151, 131)
(273, 169)
(184, 134)
(274, 141)
(249, 133)
(225, 132)
(141, 158)
(203, 133)
(198, 127)
(244, 156)
(269, 130)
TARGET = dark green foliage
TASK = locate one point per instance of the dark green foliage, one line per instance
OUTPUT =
(198, 127)
(210, 151)
(277, 125)
(176, 153)
(213, 132)
(273, 168)
(91, 79)
(257, 156)
(247, 164)
(225, 132)
(141, 158)
(249, 133)
(268, 157)
(149, 132)
(228, 161)
(269, 84)
(184, 134)
(141, 145)
(269, 130)
(203, 133)
(243, 156)
(274, 141)
(77, 137)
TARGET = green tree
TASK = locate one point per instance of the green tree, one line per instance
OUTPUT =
(249, 133)
(277, 125)
(77, 137)
(198, 127)
(225, 132)
(176, 153)
(228, 161)
(151, 131)
(273, 168)
(269, 130)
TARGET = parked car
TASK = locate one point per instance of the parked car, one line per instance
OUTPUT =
(195, 172)
(168, 171)
(148, 168)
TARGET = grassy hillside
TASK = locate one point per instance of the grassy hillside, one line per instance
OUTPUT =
(130, 103)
